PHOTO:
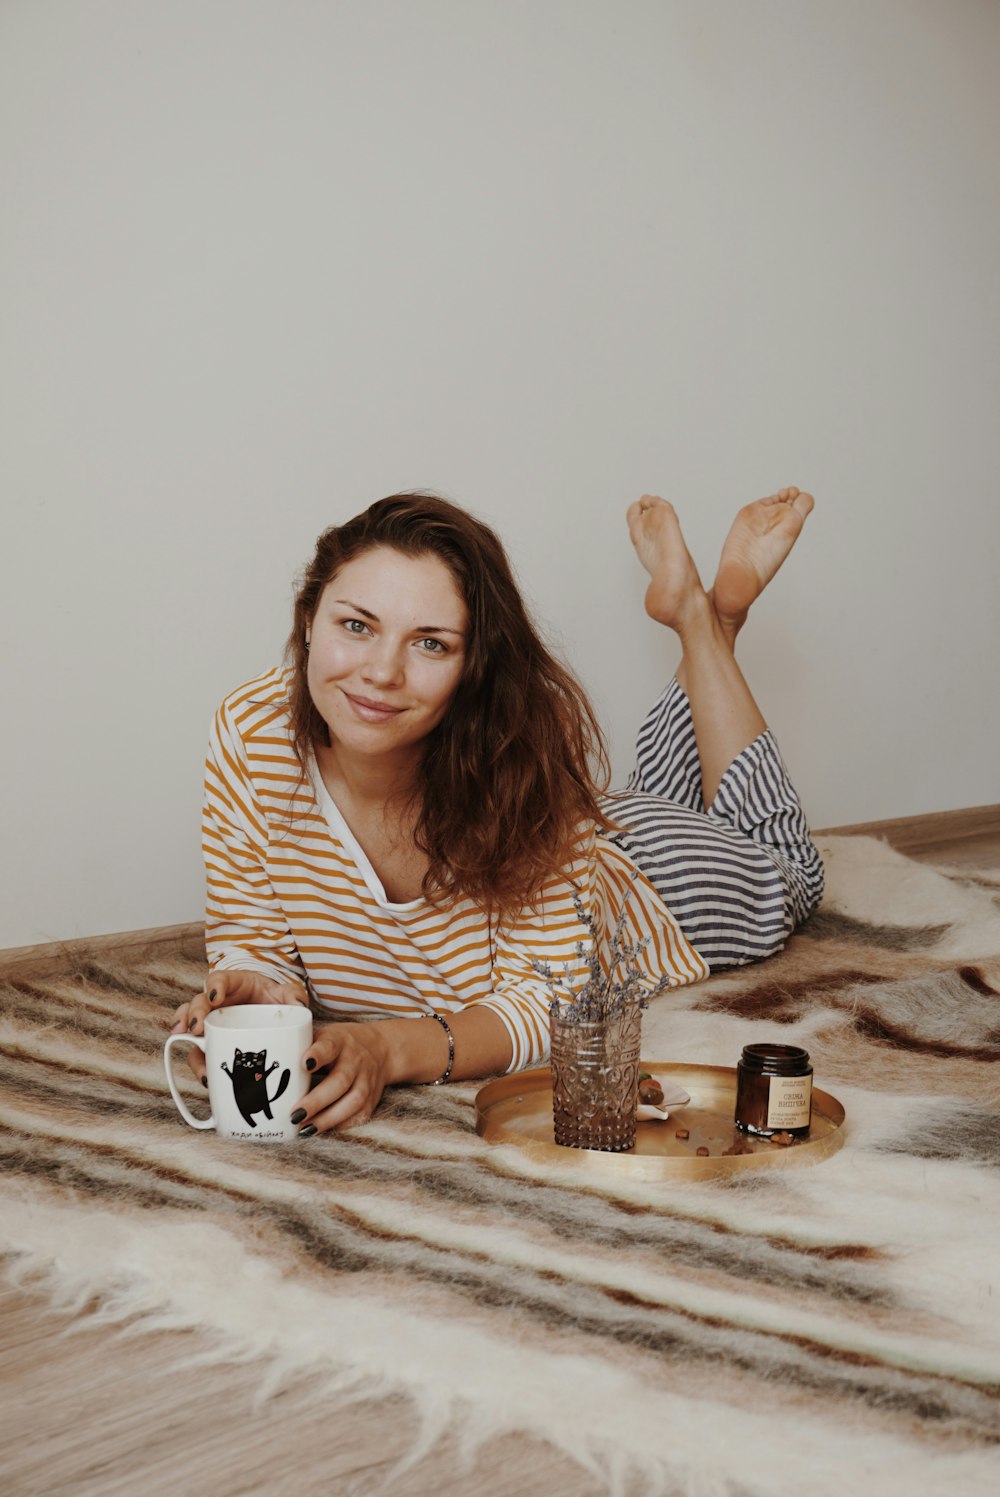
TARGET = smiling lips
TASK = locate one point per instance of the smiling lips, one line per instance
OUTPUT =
(372, 712)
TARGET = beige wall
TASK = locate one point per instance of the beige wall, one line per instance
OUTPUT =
(263, 262)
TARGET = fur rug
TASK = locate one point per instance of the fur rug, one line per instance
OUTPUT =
(835, 1328)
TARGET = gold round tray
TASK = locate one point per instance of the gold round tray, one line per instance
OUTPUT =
(518, 1110)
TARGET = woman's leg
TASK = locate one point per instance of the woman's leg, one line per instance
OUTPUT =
(723, 712)
(742, 873)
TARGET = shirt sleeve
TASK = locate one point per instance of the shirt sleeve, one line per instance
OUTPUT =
(245, 927)
(554, 935)
(551, 935)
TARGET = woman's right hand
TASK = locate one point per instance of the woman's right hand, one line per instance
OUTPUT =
(226, 988)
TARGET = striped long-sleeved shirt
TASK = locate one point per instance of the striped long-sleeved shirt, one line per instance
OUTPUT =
(292, 895)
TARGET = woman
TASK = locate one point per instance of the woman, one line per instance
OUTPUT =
(403, 823)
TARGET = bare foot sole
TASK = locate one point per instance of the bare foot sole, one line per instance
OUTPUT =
(675, 591)
(761, 537)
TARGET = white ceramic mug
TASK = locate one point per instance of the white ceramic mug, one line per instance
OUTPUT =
(256, 1073)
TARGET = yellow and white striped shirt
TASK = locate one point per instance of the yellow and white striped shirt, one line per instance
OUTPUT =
(292, 895)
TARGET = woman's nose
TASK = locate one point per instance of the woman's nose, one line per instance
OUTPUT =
(384, 663)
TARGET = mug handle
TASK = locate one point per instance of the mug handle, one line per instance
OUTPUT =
(192, 1039)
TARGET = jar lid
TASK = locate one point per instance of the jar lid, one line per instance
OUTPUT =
(787, 1060)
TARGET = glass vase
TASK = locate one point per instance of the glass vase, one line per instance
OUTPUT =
(595, 1079)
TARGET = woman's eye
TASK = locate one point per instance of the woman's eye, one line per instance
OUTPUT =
(433, 646)
(355, 626)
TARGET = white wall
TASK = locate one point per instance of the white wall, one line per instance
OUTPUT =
(264, 262)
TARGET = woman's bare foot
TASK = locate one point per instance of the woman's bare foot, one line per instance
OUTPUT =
(675, 595)
(761, 537)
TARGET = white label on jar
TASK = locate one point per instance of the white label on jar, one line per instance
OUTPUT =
(788, 1102)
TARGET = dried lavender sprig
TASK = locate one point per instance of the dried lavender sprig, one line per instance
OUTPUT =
(601, 996)
(590, 1003)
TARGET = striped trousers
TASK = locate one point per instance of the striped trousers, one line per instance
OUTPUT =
(739, 876)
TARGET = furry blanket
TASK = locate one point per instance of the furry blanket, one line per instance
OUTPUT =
(834, 1328)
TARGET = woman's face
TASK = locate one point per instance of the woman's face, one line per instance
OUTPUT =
(387, 651)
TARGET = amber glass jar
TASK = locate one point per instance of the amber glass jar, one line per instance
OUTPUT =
(774, 1090)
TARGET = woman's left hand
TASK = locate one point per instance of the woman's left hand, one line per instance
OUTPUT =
(357, 1057)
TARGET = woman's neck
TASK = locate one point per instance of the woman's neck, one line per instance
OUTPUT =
(366, 781)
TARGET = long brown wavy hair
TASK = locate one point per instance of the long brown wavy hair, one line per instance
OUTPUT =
(511, 775)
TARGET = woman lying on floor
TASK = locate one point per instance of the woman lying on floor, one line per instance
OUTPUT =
(396, 823)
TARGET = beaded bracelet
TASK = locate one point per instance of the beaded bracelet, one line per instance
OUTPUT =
(451, 1049)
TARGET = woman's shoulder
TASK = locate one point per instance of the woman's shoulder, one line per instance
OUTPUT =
(258, 704)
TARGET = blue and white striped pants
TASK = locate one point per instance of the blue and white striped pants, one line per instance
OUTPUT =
(739, 876)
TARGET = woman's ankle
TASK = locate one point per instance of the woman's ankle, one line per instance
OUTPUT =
(730, 626)
(700, 628)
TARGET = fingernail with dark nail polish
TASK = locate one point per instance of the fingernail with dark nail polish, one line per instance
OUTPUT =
(204, 1081)
(307, 1131)
(310, 1064)
(211, 996)
(192, 1023)
(298, 1115)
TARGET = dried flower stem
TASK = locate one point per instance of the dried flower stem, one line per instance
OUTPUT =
(603, 995)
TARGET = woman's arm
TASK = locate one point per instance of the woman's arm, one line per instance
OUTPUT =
(245, 926)
(549, 937)
(251, 950)
(366, 1058)
(506, 1031)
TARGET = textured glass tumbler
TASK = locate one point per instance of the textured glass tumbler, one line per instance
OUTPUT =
(595, 1080)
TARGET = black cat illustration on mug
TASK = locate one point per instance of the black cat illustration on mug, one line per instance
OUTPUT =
(249, 1078)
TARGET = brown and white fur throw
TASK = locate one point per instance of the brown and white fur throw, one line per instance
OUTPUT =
(832, 1330)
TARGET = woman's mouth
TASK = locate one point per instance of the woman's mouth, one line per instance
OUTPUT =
(371, 711)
